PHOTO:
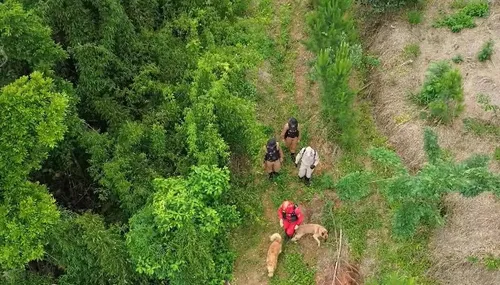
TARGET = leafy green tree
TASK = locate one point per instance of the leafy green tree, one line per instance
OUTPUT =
(26, 43)
(89, 252)
(31, 123)
(333, 36)
(176, 236)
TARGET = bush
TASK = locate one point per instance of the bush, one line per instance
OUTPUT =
(486, 51)
(414, 17)
(411, 51)
(333, 40)
(496, 155)
(464, 18)
(381, 6)
(457, 59)
(442, 92)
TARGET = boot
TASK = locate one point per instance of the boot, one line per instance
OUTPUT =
(292, 155)
(308, 181)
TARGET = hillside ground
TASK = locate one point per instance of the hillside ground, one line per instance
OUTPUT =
(472, 226)
(453, 254)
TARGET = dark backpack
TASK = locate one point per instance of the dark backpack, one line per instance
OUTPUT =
(293, 215)
(272, 152)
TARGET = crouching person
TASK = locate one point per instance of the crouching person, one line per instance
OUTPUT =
(308, 159)
(291, 217)
(273, 158)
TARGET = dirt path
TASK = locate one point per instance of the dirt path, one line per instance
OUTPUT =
(303, 103)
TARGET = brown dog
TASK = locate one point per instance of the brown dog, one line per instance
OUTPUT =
(273, 253)
(314, 229)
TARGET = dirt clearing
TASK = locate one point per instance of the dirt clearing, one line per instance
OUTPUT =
(472, 228)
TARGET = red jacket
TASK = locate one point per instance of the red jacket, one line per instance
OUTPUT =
(291, 213)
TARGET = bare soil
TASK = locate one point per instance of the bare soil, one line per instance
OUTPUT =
(398, 76)
(472, 228)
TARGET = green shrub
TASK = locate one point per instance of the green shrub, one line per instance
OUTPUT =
(442, 92)
(431, 146)
(414, 199)
(333, 39)
(464, 18)
(486, 51)
(457, 59)
(485, 102)
(381, 6)
(411, 51)
(354, 186)
(459, 4)
(481, 127)
(496, 155)
(414, 17)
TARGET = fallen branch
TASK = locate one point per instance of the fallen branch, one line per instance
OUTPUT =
(339, 249)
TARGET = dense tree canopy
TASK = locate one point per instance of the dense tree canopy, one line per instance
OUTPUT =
(112, 114)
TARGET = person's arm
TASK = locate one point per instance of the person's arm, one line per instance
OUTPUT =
(280, 212)
(299, 155)
(281, 152)
(280, 215)
(300, 216)
(300, 133)
(316, 158)
(283, 132)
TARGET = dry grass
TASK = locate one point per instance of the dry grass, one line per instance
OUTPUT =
(472, 230)
(473, 227)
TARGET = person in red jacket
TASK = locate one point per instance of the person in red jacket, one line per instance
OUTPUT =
(290, 216)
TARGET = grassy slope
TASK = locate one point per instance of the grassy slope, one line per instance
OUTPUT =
(366, 224)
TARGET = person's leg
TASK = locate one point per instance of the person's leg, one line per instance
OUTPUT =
(276, 167)
(269, 168)
(291, 229)
(293, 145)
(286, 224)
(288, 143)
(309, 172)
(302, 170)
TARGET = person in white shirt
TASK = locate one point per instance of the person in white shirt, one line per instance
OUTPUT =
(308, 159)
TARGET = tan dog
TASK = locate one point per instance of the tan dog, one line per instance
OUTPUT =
(314, 229)
(273, 253)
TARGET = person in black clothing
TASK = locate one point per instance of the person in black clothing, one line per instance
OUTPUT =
(291, 136)
(273, 158)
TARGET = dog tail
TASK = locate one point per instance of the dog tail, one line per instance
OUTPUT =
(275, 236)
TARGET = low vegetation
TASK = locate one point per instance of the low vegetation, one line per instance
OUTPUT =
(408, 204)
(382, 6)
(496, 154)
(333, 39)
(411, 51)
(464, 18)
(442, 92)
(457, 59)
(414, 17)
(486, 51)
(481, 127)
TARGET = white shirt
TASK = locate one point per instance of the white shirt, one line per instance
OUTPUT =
(308, 156)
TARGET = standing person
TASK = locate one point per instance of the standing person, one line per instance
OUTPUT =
(291, 217)
(273, 158)
(291, 135)
(308, 159)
